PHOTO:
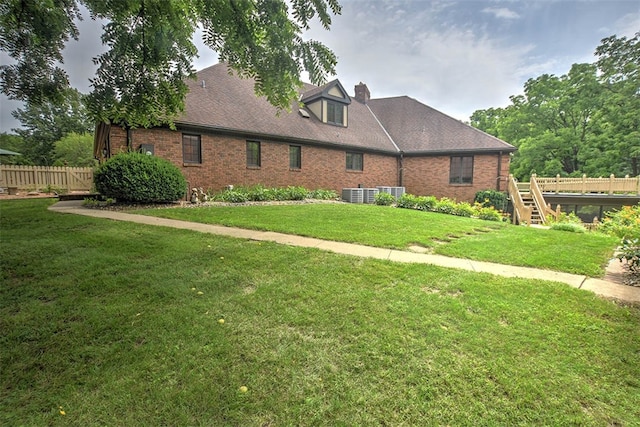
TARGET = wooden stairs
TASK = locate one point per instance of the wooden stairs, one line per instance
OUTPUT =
(529, 206)
(529, 202)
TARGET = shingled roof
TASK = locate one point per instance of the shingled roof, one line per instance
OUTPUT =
(220, 101)
(419, 129)
(227, 103)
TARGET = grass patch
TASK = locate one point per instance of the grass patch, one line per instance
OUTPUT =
(117, 323)
(586, 253)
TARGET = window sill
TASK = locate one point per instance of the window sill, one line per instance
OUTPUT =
(455, 184)
(354, 171)
(253, 167)
(295, 169)
(192, 165)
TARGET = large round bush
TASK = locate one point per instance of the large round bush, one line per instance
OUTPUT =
(140, 178)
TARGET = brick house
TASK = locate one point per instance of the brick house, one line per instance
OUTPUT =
(330, 140)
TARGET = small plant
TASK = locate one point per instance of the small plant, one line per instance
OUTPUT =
(446, 206)
(258, 193)
(630, 252)
(407, 201)
(625, 224)
(384, 199)
(322, 194)
(426, 203)
(565, 218)
(96, 203)
(488, 213)
(568, 226)
(296, 193)
(54, 189)
(233, 196)
(492, 198)
(464, 209)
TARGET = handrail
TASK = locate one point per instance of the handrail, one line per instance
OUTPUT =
(522, 212)
(538, 199)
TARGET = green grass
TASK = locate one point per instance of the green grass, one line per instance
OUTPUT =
(117, 323)
(387, 227)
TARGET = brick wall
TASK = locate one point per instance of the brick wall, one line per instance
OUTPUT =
(224, 162)
(429, 176)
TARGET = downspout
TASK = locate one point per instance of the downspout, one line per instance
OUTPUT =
(401, 169)
(499, 170)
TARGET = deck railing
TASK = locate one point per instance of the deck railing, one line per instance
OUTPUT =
(584, 185)
(42, 177)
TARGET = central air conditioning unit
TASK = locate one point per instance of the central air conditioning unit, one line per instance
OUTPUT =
(353, 195)
(369, 195)
(396, 192)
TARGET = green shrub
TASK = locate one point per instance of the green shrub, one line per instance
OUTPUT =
(625, 224)
(488, 213)
(139, 178)
(384, 199)
(568, 226)
(446, 206)
(407, 201)
(233, 196)
(258, 193)
(296, 193)
(322, 194)
(426, 203)
(564, 218)
(464, 209)
(492, 198)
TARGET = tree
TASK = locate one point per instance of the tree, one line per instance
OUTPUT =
(619, 63)
(49, 122)
(553, 123)
(75, 150)
(14, 143)
(140, 80)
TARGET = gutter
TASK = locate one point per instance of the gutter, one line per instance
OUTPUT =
(279, 138)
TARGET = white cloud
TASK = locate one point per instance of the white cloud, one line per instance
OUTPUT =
(501, 12)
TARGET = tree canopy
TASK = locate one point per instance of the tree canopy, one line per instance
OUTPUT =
(46, 123)
(140, 80)
(583, 122)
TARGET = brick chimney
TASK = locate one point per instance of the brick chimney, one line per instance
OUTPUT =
(362, 93)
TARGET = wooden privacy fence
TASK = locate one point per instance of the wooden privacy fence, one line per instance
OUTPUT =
(584, 185)
(41, 177)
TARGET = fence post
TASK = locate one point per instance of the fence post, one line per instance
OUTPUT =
(611, 178)
(584, 183)
(557, 183)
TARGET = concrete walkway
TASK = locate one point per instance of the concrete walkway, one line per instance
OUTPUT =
(598, 286)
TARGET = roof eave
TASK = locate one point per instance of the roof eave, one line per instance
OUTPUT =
(278, 138)
(459, 151)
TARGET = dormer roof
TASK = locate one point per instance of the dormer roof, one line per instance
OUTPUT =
(332, 90)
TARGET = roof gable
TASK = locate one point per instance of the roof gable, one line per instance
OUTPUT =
(332, 90)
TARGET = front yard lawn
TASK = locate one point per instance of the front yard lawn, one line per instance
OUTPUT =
(111, 323)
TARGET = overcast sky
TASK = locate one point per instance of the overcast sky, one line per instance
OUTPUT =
(456, 56)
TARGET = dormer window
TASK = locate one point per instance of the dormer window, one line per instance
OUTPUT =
(329, 103)
(335, 113)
